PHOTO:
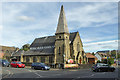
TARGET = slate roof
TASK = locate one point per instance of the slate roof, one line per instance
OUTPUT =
(42, 42)
(40, 52)
(18, 53)
(49, 40)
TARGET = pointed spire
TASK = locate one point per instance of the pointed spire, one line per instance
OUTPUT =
(62, 23)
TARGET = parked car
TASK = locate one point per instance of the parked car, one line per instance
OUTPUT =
(17, 64)
(102, 67)
(41, 66)
(4, 63)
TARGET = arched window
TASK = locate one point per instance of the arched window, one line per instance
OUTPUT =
(27, 59)
(42, 59)
(51, 60)
(78, 47)
(59, 51)
(34, 59)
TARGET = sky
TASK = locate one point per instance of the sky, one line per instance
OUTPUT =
(96, 22)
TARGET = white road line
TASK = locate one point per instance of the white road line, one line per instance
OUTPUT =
(34, 73)
(38, 74)
(8, 74)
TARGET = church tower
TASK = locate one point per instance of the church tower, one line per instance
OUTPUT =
(62, 47)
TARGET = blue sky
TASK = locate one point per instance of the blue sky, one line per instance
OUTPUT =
(97, 22)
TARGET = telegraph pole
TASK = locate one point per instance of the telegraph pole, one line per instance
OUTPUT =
(117, 58)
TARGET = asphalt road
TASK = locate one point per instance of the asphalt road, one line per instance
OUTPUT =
(9, 72)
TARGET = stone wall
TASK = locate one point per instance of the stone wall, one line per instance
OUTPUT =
(62, 48)
(78, 51)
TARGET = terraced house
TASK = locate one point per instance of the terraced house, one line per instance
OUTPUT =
(56, 49)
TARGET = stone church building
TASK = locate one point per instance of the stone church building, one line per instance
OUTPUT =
(56, 49)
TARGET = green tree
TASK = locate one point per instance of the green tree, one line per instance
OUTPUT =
(26, 47)
(110, 61)
(113, 53)
(93, 53)
(98, 61)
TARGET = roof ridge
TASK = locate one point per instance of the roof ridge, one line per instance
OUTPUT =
(45, 37)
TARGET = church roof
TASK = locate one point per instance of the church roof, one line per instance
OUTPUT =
(49, 40)
(49, 51)
(47, 44)
(62, 23)
(44, 41)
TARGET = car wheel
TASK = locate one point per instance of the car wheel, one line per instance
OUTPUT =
(42, 68)
(32, 67)
(112, 70)
(17, 67)
(99, 70)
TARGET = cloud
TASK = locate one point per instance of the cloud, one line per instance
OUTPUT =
(102, 42)
(93, 15)
(27, 21)
(103, 45)
(25, 18)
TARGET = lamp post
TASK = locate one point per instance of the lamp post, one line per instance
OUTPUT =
(116, 58)
(64, 60)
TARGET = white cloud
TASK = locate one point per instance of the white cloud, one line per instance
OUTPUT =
(90, 39)
(102, 42)
(1, 27)
(93, 15)
(103, 45)
(25, 18)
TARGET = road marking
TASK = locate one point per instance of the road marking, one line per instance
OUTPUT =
(34, 73)
(38, 74)
(9, 74)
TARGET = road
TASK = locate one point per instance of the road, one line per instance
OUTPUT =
(9, 72)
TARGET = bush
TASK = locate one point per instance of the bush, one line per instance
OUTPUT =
(98, 61)
(83, 62)
(110, 61)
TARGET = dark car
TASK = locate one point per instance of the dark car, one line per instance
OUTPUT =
(17, 64)
(41, 66)
(102, 67)
(4, 63)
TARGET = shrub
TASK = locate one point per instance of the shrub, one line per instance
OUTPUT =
(98, 61)
(110, 61)
(83, 62)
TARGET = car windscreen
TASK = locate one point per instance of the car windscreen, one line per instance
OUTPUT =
(5, 61)
(43, 64)
(19, 63)
(103, 64)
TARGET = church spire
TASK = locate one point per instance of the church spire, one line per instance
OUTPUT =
(62, 23)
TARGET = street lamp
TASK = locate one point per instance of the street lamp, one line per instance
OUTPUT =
(117, 58)
(64, 59)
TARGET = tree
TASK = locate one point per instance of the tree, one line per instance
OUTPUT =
(26, 47)
(110, 61)
(93, 53)
(98, 61)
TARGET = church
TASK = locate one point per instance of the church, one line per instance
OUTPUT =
(56, 49)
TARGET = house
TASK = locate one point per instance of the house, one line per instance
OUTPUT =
(91, 59)
(99, 57)
(56, 49)
(6, 52)
(1, 55)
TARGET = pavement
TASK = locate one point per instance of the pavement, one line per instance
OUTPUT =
(10, 72)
